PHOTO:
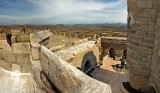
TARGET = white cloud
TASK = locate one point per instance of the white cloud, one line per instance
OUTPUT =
(49, 8)
(74, 11)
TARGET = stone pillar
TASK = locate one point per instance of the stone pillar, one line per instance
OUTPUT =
(76, 35)
(83, 36)
(64, 33)
(140, 44)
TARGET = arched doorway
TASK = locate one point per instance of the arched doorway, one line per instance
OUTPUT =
(125, 53)
(112, 53)
(151, 90)
(87, 65)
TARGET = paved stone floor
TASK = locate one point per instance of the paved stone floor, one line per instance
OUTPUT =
(11, 82)
(108, 75)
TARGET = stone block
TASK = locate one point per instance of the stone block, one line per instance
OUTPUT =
(25, 38)
(21, 48)
(147, 51)
(15, 32)
(5, 65)
(158, 13)
(18, 38)
(158, 21)
(158, 52)
(8, 57)
(156, 4)
(13, 39)
(149, 12)
(152, 20)
(35, 53)
(25, 68)
(2, 37)
(142, 20)
(23, 58)
(144, 3)
(16, 68)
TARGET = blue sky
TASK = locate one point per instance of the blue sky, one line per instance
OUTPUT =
(62, 11)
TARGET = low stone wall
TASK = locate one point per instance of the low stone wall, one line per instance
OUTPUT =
(16, 60)
(67, 78)
(117, 43)
(80, 41)
(2, 36)
(78, 55)
(36, 39)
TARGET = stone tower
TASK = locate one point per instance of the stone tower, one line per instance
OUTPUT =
(143, 44)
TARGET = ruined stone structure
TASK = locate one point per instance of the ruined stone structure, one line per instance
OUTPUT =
(12, 53)
(54, 70)
(113, 46)
(67, 78)
(143, 54)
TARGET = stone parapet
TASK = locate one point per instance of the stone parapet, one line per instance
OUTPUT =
(67, 78)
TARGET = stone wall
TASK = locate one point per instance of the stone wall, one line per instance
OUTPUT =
(15, 58)
(143, 20)
(36, 39)
(117, 43)
(67, 78)
(2, 36)
(79, 54)
(155, 68)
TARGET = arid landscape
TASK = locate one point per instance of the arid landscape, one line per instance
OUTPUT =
(80, 46)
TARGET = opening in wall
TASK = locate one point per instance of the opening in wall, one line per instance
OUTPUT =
(112, 53)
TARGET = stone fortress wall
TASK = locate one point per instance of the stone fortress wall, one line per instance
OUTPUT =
(15, 56)
(25, 55)
(143, 45)
(67, 78)
(114, 46)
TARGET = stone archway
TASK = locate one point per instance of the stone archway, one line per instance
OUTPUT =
(151, 90)
(89, 62)
(112, 53)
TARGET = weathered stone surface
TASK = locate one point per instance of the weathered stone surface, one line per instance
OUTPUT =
(142, 52)
(149, 12)
(16, 68)
(5, 65)
(68, 78)
(6, 52)
(13, 39)
(57, 48)
(25, 68)
(21, 48)
(144, 3)
(76, 55)
(16, 32)
(25, 38)
(2, 36)
(35, 53)
(40, 36)
(23, 59)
